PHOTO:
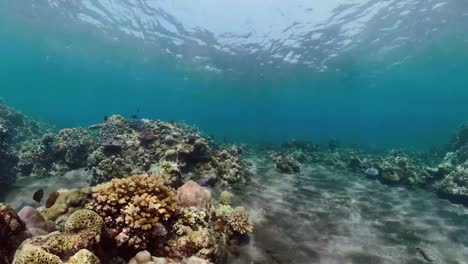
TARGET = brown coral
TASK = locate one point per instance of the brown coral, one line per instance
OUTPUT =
(238, 222)
(133, 207)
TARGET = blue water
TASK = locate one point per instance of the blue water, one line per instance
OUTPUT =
(58, 69)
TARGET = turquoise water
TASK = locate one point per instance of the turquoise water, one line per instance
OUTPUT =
(373, 74)
(72, 74)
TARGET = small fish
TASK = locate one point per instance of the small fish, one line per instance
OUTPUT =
(37, 196)
(134, 116)
(96, 126)
(105, 118)
(372, 172)
(205, 182)
(52, 199)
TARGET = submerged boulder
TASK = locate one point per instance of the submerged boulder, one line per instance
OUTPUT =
(287, 164)
(12, 232)
(35, 222)
(191, 194)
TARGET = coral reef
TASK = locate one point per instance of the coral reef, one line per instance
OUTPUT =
(454, 185)
(57, 153)
(67, 202)
(397, 167)
(14, 129)
(83, 230)
(194, 235)
(287, 164)
(175, 151)
(12, 232)
(136, 210)
(142, 212)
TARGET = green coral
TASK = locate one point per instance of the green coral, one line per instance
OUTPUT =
(29, 254)
(84, 220)
(67, 202)
(225, 198)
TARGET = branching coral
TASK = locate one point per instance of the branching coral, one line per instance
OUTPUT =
(133, 206)
(239, 222)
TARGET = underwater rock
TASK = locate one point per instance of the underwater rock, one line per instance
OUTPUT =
(193, 195)
(454, 185)
(195, 260)
(12, 233)
(67, 202)
(35, 222)
(400, 168)
(144, 257)
(460, 139)
(287, 164)
(372, 172)
(83, 256)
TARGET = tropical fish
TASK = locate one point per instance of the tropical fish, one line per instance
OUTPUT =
(205, 182)
(37, 196)
(96, 126)
(52, 199)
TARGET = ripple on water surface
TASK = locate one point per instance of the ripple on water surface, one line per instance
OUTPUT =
(324, 216)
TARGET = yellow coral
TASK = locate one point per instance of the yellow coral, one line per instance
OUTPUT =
(83, 256)
(84, 220)
(29, 254)
(133, 205)
(225, 198)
